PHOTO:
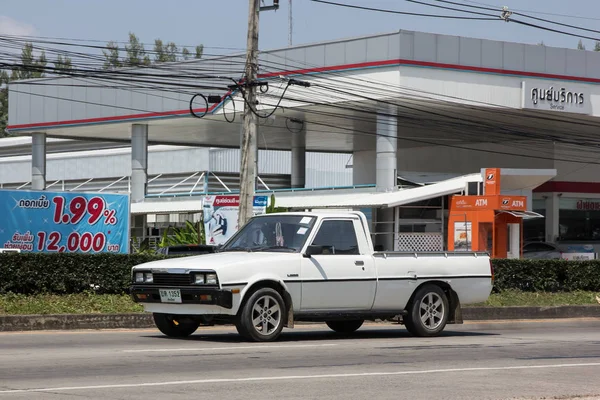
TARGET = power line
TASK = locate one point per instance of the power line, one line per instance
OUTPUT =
(508, 20)
(553, 30)
(523, 15)
(359, 132)
(153, 83)
(452, 8)
(403, 12)
(536, 11)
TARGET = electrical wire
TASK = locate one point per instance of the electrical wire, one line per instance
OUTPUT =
(359, 132)
(278, 101)
(536, 11)
(553, 30)
(393, 89)
(453, 9)
(192, 103)
(402, 12)
(516, 20)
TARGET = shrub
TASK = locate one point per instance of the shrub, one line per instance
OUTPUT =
(546, 275)
(68, 273)
(111, 273)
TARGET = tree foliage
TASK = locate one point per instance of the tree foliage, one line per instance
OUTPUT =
(62, 65)
(135, 55)
(580, 45)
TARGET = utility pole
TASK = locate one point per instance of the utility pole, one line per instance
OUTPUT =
(250, 121)
(290, 23)
(248, 165)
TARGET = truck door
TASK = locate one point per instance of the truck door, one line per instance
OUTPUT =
(343, 277)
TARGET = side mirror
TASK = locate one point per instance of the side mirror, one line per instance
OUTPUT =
(313, 251)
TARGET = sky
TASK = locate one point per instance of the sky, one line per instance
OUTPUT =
(221, 26)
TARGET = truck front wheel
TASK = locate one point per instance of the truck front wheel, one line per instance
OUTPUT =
(172, 327)
(262, 316)
(428, 312)
(345, 326)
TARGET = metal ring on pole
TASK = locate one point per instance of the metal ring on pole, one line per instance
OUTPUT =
(192, 103)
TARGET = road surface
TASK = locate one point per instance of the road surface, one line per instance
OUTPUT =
(470, 361)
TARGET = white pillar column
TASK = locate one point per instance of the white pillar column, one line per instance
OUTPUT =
(552, 217)
(38, 161)
(386, 164)
(386, 149)
(139, 162)
(299, 159)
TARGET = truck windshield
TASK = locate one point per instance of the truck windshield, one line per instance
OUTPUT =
(272, 233)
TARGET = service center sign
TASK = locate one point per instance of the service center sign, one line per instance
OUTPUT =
(558, 96)
(41, 221)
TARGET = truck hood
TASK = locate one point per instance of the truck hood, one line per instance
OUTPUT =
(219, 261)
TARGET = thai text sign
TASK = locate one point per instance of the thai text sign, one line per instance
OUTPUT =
(40, 221)
(221, 216)
(515, 203)
(562, 97)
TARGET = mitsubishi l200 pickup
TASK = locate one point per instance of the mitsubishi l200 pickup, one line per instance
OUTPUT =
(287, 267)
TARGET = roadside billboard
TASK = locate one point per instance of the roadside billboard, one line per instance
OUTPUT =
(48, 222)
(221, 216)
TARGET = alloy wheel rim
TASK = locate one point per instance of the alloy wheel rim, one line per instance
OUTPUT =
(432, 311)
(266, 315)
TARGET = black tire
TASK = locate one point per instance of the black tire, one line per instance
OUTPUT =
(428, 312)
(172, 327)
(270, 320)
(345, 326)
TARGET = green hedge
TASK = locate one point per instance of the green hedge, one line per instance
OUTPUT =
(68, 273)
(546, 275)
(111, 274)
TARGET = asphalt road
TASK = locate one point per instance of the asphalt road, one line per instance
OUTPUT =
(472, 361)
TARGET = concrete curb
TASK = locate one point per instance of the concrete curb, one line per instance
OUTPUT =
(13, 323)
(10, 323)
(514, 313)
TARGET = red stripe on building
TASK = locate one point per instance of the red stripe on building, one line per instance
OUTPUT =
(569, 187)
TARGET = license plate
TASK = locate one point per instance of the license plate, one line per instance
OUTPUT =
(170, 295)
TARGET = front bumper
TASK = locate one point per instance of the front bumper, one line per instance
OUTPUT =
(189, 295)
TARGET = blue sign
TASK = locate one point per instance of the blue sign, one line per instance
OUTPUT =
(40, 221)
(260, 201)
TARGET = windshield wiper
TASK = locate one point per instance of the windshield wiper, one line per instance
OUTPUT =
(263, 248)
(248, 249)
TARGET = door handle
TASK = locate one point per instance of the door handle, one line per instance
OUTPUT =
(359, 263)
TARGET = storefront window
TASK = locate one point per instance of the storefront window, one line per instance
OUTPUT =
(534, 230)
(579, 219)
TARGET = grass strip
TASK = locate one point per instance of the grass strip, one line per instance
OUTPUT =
(91, 303)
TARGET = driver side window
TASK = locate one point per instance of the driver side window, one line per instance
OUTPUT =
(337, 237)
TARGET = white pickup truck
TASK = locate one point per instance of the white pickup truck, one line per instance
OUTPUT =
(287, 267)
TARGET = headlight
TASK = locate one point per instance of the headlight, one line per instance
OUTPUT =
(199, 279)
(144, 277)
(211, 279)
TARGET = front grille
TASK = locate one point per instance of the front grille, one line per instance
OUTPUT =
(162, 278)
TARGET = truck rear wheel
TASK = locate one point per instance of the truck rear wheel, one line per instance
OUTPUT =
(172, 327)
(345, 326)
(428, 312)
(262, 316)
